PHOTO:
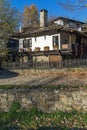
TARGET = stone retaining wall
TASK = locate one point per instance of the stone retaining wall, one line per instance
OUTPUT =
(48, 100)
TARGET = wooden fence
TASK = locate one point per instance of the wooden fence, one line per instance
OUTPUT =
(69, 63)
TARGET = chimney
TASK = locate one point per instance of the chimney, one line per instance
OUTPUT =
(43, 18)
(20, 29)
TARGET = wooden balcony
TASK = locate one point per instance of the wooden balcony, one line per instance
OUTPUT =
(37, 49)
(50, 52)
(55, 48)
(65, 46)
(29, 49)
(46, 48)
(21, 50)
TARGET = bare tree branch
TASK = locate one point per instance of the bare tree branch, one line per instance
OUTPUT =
(73, 5)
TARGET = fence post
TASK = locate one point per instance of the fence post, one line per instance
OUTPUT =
(33, 65)
(13, 66)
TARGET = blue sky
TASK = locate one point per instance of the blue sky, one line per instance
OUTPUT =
(54, 9)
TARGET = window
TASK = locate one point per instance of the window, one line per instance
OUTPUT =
(65, 38)
(35, 39)
(66, 41)
(27, 43)
(55, 40)
(77, 25)
(72, 25)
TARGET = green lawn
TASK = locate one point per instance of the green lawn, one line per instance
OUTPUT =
(47, 87)
(34, 119)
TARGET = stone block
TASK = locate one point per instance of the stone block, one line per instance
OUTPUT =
(11, 97)
(68, 109)
(59, 106)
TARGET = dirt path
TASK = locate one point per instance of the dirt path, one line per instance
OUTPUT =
(45, 77)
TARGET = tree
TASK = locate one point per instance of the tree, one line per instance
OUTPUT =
(9, 21)
(30, 16)
(73, 4)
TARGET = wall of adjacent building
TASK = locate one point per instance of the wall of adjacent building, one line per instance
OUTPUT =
(69, 24)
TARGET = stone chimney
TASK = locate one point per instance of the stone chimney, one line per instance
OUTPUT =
(43, 18)
(20, 29)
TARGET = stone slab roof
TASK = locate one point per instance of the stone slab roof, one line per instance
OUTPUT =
(47, 30)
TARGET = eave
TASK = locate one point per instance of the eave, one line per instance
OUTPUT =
(49, 30)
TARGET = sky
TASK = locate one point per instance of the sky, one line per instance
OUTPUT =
(54, 9)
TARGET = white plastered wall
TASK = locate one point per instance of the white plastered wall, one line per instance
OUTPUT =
(41, 42)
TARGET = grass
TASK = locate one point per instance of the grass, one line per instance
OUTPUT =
(35, 119)
(47, 87)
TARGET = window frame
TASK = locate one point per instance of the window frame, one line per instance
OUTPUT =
(55, 41)
(27, 43)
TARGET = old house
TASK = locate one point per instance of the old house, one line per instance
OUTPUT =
(52, 41)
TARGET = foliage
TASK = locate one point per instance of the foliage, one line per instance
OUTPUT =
(45, 87)
(30, 16)
(37, 120)
(9, 20)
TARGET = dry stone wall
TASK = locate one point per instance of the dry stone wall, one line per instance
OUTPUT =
(48, 100)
